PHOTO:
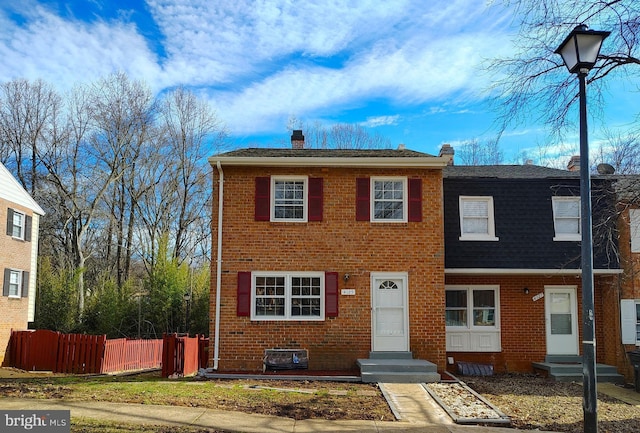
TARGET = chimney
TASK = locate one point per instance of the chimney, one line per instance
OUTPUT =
(447, 150)
(297, 139)
(528, 162)
(574, 163)
(401, 146)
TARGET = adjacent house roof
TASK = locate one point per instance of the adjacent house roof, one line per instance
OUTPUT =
(11, 190)
(527, 171)
(329, 157)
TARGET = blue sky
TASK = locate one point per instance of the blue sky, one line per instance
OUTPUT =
(409, 70)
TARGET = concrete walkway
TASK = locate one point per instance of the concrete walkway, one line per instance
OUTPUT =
(412, 405)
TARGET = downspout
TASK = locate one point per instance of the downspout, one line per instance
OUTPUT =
(216, 338)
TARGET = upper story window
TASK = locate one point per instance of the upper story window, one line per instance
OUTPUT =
(476, 219)
(18, 225)
(282, 296)
(14, 283)
(566, 218)
(388, 199)
(289, 198)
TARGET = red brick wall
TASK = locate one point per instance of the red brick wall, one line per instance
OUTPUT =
(522, 320)
(340, 244)
(14, 254)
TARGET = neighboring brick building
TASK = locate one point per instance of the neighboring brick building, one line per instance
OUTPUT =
(18, 257)
(521, 244)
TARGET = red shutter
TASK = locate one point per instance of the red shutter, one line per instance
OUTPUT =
(363, 206)
(244, 294)
(315, 199)
(415, 200)
(263, 199)
(331, 294)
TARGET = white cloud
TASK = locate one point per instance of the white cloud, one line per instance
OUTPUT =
(373, 122)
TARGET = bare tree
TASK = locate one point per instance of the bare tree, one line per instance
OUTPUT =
(533, 84)
(622, 152)
(27, 115)
(193, 131)
(474, 152)
(338, 136)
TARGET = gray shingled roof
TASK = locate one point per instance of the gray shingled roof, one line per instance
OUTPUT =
(322, 153)
(507, 172)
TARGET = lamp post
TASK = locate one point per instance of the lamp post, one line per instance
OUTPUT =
(579, 52)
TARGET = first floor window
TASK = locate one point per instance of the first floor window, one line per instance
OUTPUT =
(288, 296)
(15, 281)
(472, 319)
(630, 321)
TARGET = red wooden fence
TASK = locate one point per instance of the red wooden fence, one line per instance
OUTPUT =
(183, 356)
(78, 353)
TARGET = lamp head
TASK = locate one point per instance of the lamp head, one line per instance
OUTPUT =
(580, 48)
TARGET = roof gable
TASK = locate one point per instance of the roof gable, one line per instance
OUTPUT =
(11, 190)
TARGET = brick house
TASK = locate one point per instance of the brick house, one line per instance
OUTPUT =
(339, 252)
(18, 257)
(347, 253)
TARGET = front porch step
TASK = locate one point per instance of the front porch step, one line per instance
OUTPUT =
(399, 370)
(572, 371)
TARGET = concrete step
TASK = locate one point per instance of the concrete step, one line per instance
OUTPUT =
(572, 372)
(560, 359)
(390, 355)
(404, 370)
(399, 377)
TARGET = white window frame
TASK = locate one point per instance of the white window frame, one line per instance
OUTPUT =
(491, 223)
(288, 297)
(471, 337)
(17, 293)
(634, 229)
(305, 199)
(405, 199)
(566, 236)
(22, 227)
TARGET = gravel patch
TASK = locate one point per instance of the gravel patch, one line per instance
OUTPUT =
(464, 405)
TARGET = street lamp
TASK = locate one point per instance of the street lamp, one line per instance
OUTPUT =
(579, 52)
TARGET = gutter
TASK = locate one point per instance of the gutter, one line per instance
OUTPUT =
(311, 161)
(509, 271)
(216, 340)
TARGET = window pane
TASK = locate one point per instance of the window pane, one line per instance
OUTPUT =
(388, 200)
(305, 296)
(561, 324)
(475, 208)
(484, 317)
(475, 225)
(567, 208)
(14, 283)
(568, 226)
(456, 298)
(456, 317)
(270, 300)
(289, 199)
(18, 219)
(483, 298)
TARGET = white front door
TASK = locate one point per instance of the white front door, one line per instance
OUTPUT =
(389, 312)
(561, 318)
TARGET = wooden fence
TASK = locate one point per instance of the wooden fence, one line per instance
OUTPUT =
(81, 354)
(182, 355)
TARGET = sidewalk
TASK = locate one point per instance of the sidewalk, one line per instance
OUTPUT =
(413, 406)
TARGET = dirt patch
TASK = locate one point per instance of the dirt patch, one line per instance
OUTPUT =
(537, 403)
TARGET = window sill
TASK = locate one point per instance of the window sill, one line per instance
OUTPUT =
(14, 297)
(479, 238)
(567, 238)
(285, 319)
